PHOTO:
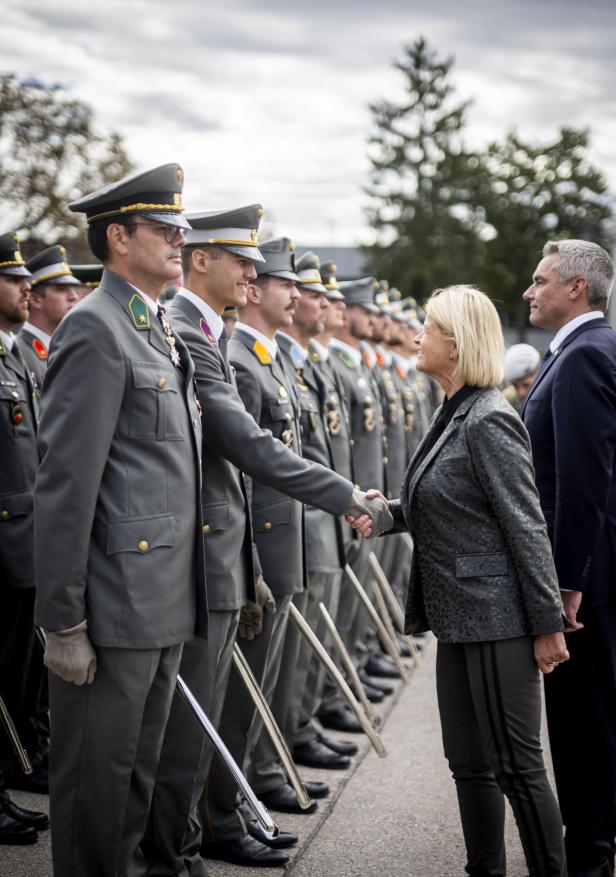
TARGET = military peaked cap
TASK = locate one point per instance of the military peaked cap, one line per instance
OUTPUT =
(279, 255)
(360, 292)
(233, 230)
(155, 194)
(330, 281)
(88, 275)
(11, 260)
(50, 266)
(308, 268)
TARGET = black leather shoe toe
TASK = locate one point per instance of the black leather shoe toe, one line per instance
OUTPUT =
(344, 747)
(14, 833)
(39, 821)
(314, 754)
(380, 686)
(285, 800)
(282, 840)
(380, 666)
(245, 851)
(342, 719)
(37, 781)
(316, 789)
(373, 694)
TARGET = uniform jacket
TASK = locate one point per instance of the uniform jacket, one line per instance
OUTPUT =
(117, 535)
(277, 518)
(570, 414)
(18, 462)
(35, 356)
(482, 566)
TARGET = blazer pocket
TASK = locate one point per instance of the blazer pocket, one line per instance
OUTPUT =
(215, 517)
(271, 516)
(15, 505)
(157, 411)
(476, 565)
(141, 535)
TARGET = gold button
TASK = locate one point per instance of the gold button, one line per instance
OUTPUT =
(267, 525)
(352, 443)
(162, 382)
(143, 546)
(194, 424)
(5, 515)
(357, 487)
(15, 395)
(386, 460)
(288, 415)
(206, 529)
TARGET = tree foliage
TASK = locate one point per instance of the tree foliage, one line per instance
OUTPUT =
(50, 153)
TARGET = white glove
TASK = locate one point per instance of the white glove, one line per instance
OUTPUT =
(251, 614)
(70, 655)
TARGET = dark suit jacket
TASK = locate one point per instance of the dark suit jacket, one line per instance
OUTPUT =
(482, 566)
(570, 414)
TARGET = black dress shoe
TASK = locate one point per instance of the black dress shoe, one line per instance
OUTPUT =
(285, 800)
(282, 840)
(37, 781)
(380, 666)
(344, 747)
(314, 754)
(341, 719)
(316, 789)
(603, 870)
(14, 833)
(380, 686)
(245, 851)
(373, 694)
(403, 646)
(39, 821)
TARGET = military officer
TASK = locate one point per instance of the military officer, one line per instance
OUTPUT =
(18, 462)
(120, 440)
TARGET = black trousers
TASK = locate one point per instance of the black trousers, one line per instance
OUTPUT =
(489, 697)
(581, 710)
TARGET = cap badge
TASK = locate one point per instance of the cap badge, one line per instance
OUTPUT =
(179, 175)
(253, 234)
(139, 312)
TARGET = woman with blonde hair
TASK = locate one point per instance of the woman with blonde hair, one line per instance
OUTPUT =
(483, 580)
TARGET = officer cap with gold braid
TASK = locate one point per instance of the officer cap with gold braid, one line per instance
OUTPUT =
(233, 230)
(395, 305)
(279, 255)
(308, 268)
(88, 275)
(360, 292)
(50, 266)
(155, 194)
(11, 260)
(330, 281)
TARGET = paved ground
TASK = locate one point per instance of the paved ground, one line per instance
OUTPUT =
(392, 817)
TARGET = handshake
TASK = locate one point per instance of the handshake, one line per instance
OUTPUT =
(368, 513)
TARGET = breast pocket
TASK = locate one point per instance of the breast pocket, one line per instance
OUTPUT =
(156, 407)
(281, 420)
(13, 408)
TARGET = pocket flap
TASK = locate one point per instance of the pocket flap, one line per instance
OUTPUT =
(11, 391)
(14, 505)
(215, 517)
(141, 535)
(270, 516)
(152, 376)
(474, 565)
(280, 409)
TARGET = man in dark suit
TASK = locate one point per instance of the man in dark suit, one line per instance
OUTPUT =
(570, 413)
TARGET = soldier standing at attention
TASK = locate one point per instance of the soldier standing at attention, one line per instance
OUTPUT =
(120, 440)
(54, 292)
(18, 462)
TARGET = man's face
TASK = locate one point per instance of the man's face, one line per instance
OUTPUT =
(279, 300)
(14, 298)
(308, 316)
(147, 252)
(395, 333)
(53, 301)
(523, 386)
(333, 316)
(228, 277)
(360, 322)
(550, 304)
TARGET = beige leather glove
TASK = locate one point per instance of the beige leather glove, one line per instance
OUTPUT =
(251, 615)
(376, 508)
(69, 654)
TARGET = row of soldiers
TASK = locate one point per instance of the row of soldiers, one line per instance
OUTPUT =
(195, 464)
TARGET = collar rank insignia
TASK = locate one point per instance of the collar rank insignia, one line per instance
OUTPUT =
(367, 360)
(400, 370)
(346, 358)
(379, 359)
(139, 312)
(296, 357)
(2, 348)
(314, 356)
(262, 353)
(39, 348)
(207, 331)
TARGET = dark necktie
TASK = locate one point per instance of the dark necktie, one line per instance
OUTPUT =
(169, 336)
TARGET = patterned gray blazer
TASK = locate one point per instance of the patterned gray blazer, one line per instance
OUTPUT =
(482, 567)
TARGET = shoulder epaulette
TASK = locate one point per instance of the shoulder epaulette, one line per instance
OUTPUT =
(139, 312)
(2, 348)
(262, 353)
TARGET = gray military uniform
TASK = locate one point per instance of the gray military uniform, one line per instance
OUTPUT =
(34, 353)
(117, 542)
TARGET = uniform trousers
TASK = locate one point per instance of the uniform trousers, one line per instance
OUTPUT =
(173, 839)
(581, 710)
(106, 740)
(223, 820)
(489, 697)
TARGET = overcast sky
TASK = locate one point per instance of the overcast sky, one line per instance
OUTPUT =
(268, 102)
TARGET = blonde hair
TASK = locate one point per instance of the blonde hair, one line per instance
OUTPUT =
(466, 315)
